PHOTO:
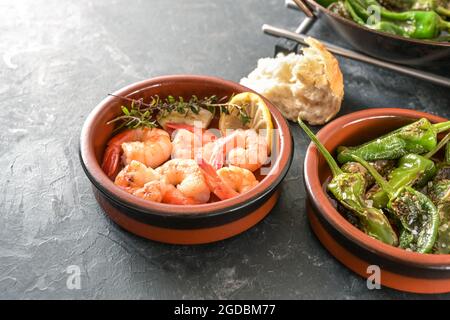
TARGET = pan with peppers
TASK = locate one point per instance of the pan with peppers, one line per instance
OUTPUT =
(394, 188)
(417, 19)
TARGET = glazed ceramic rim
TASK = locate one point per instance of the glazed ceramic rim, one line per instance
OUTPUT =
(335, 219)
(104, 184)
(388, 35)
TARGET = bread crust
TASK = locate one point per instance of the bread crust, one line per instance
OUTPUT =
(332, 70)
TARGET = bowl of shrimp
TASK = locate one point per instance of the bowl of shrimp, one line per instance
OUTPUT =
(186, 159)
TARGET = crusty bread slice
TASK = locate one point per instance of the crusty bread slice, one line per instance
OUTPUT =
(310, 85)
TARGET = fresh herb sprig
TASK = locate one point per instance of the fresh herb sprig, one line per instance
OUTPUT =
(141, 114)
(243, 115)
(134, 117)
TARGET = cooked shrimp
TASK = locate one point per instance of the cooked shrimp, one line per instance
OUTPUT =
(207, 152)
(185, 182)
(228, 182)
(186, 145)
(152, 191)
(242, 148)
(206, 135)
(150, 146)
(215, 183)
(135, 175)
(239, 179)
(141, 181)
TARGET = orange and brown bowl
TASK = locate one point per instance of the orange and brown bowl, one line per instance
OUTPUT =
(400, 269)
(187, 224)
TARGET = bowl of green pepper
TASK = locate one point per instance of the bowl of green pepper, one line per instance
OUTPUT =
(412, 32)
(378, 195)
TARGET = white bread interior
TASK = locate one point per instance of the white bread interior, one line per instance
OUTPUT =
(310, 85)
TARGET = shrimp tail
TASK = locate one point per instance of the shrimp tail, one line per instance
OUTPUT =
(113, 152)
(215, 183)
(175, 196)
(218, 157)
(217, 160)
(111, 160)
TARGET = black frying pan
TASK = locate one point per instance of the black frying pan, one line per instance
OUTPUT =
(381, 45)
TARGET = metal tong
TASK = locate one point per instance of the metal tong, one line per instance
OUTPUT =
(299, 36)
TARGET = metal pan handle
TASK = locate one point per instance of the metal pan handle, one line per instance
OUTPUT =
(304, 7)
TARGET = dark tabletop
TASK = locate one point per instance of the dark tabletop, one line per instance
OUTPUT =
(59, 59)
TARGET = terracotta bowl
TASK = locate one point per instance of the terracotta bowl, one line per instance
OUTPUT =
(400, 269)
(171, 223)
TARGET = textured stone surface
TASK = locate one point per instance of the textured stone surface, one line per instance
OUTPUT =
(58, 59)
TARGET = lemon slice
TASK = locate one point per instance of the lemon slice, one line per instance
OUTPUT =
(257, 111)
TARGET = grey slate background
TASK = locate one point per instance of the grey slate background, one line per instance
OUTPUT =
(58, 59)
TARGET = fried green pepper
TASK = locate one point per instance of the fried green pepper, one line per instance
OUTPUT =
(444, 166)
(439, 6)
(447, 154)
(412, 170)
(439, 193)
(339, 8)
(417, 214)
(326, 3)
(397, 5)
(418, 137)
(411, 24)
(348, 189)
(443, 171)
(442, 245)
(382, 166)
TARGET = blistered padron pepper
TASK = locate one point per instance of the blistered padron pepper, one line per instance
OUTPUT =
(397, 5)
(439, 192)
(418, 137)
(441, 189)
(382, 166)
(349, 189)
(417, 214)
(339, 8)
(326, 3)
(417, 24)
(440, 6)
(412, 170)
